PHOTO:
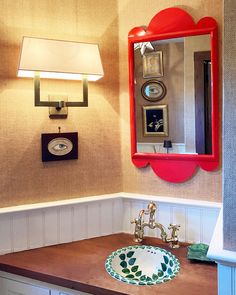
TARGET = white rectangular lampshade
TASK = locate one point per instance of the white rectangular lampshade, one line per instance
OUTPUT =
(59, 59)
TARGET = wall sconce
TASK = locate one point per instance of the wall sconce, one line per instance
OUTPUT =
(55, 59)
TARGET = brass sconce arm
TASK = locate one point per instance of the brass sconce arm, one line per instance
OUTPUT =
(59, 104)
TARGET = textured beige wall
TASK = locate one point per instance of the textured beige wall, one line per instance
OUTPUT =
(204, 185)
(103, 161)
(23, 177)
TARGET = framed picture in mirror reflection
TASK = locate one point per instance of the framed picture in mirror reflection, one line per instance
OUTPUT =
(152, 64)
(153, 90)
(155, 120)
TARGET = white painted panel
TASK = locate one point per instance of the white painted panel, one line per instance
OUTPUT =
(117, 215)
(208, 222)
(51, 226)
(71, 293)
(164, 216)
(193, 225)
(20, 231)
(6, 233)
(93, 219)
(106, 217)
(136, 207)
(179, 217)
(33, 286)
(127, 228)
(65, 224)
(35, 229)
(225, 277)
(233, 268)
(64, 291)
(80, 226)
(10, 287)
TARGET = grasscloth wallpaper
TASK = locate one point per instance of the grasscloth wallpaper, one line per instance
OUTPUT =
(23, 177)
(104, 164)
(229, 127)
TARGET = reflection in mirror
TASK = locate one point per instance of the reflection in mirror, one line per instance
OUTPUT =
(153, 90)
(174, 76)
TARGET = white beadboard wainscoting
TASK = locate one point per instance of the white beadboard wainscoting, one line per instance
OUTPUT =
(37, 225)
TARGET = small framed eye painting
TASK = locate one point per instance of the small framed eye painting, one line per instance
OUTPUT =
(155, 120)
(59, 146)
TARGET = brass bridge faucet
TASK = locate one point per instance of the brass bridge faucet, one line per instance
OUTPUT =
(140, 224)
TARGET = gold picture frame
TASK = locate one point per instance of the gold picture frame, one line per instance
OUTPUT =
(155, 120)
(153, 64)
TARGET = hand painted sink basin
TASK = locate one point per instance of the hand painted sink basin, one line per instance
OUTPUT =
(142, 265)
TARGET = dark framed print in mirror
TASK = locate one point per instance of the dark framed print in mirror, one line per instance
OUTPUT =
(153, 90)
(187, 49)
(155, 120)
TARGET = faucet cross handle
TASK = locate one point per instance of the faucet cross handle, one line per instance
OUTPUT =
(174, 226)
(134, 221)
(174, 241)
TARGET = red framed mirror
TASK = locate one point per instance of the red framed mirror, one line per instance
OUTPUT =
(175, 132)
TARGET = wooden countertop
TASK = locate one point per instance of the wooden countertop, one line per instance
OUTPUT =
(80, 266)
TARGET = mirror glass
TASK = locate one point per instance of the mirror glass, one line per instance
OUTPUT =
(172, 81)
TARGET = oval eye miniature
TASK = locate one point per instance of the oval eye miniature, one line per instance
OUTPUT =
(60, 146)
(153, 90)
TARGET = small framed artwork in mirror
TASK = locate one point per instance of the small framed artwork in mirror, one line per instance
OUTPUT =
(155, 120)
(59, 146)
(152, 64)
(153, 90)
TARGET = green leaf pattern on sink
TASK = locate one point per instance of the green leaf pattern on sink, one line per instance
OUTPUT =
(132, 273)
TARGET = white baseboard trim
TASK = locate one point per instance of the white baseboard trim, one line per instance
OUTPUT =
(37, 225)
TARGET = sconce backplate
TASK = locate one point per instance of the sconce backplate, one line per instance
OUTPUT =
(55, 113)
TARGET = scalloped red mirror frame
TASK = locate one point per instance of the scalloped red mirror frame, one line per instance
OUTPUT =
(167, 24)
